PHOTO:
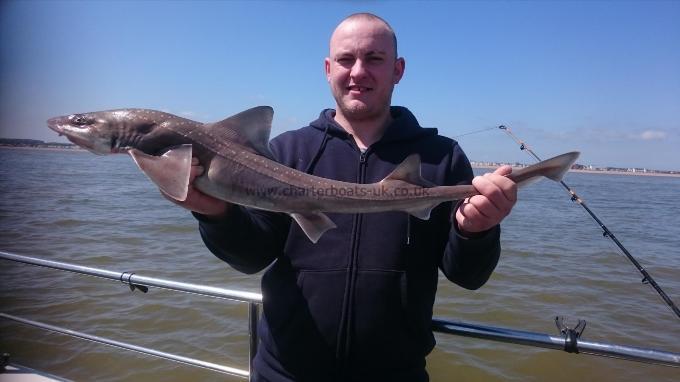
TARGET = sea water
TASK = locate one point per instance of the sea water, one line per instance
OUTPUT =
(102, 212)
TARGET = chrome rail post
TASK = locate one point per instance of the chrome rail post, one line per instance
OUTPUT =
(253, 316)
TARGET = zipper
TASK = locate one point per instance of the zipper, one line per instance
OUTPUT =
(348, 302)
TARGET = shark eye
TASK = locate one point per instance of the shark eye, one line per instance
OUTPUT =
(80, 120)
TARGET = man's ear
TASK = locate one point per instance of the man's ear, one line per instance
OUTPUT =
(399, 67)
(327, 66)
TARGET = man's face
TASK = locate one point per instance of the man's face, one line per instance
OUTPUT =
(362, 69)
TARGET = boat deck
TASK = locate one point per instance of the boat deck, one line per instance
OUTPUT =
(17, 373)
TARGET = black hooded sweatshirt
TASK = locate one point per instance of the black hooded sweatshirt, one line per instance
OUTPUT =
(357, 305)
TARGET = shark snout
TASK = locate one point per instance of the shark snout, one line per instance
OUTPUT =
(82, 134)
(55, 124)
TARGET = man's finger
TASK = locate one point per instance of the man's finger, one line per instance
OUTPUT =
(490, 190)
(484, 207)
(195, 171)
(470, 219)
(505, 184)
(503, 170)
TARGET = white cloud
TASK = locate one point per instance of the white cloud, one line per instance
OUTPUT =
(652, 135)
(257, 98)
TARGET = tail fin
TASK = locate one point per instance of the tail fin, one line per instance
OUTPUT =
(553, 168)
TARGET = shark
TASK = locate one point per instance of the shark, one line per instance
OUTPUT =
(240, 168)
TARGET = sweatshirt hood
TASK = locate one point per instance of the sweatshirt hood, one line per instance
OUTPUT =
(404, 125)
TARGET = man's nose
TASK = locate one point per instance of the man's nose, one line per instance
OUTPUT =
(358, 69)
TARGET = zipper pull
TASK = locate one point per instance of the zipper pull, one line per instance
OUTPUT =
(362, 157)
(408, 229)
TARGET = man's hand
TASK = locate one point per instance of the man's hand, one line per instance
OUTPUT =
(497, 196)
(196, 200)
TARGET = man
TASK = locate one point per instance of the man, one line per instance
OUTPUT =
(357, 305)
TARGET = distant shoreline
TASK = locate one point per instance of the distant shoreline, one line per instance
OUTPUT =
(50, 148)
(627, 173)
(604, 172)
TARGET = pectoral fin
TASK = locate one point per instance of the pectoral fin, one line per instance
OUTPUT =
(170, 171)
(314, 224)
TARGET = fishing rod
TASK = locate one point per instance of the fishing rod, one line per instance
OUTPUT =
(646, 277)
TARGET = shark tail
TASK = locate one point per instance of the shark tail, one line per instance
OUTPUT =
(553, 169)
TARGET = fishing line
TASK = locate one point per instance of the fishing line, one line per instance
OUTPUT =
(646, 277)
(474, 132)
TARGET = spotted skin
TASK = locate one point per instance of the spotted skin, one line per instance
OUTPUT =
(239, 168)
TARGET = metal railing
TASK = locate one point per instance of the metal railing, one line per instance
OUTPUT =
(142, 283)
(569, 341)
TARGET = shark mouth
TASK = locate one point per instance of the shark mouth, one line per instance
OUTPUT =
(54, 124)
(57, 124)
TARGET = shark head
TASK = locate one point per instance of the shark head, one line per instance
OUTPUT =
(104, 132)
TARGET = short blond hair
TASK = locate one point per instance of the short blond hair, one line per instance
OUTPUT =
(372, 17)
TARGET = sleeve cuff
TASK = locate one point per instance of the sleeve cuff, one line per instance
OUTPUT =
(472, 236)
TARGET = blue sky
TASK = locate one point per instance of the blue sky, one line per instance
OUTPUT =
(599, 77)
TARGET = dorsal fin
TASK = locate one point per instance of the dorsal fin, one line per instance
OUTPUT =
(249, 128)
(409, 171)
